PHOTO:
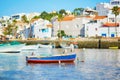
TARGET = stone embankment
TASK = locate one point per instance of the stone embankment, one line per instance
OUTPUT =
(102, 43)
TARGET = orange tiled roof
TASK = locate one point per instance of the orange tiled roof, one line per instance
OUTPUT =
(99, 17)
(110, 24)
(68, 18)
(49, 25)
(33, 20)
(88, 16)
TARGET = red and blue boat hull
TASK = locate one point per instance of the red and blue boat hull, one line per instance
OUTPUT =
(51, 59)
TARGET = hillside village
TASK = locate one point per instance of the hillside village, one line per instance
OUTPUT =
(82, 22)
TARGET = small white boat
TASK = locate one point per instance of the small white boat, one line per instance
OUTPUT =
(11, 48)
(114, 47)
(35, 47)
(64, 45)
(30, 47)
(45, 46)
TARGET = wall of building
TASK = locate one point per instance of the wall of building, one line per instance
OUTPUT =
(72, 28)
(41, 30)
(103, 9)
(97, 29)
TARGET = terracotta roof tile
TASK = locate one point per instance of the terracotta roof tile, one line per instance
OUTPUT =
(68, 18)
(88, 16)
(99, 17)
(49, 25)
(110, 24)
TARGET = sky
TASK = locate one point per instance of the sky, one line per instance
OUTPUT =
(10, 7)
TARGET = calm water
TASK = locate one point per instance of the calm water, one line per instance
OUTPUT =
(91, 64)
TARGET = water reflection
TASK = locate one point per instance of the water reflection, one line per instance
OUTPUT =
(99, 55)
(90, 64)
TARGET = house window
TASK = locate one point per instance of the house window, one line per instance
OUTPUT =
(112, 19)
(95, 29)
(95, 21)
(44, 30)
(104, 35)
(112, 35)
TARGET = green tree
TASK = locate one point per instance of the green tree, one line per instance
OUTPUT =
(24, 19)
(14, 21)
(47, 16)
(11, 29)
(115, 11)
(36, 17)
(78, 11)
(62, 12)
(43, 15)
(8, 30)
(15, 27)
(60, 18)
(61, 33)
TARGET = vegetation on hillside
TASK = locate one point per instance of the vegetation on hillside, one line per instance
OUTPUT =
(11, 28)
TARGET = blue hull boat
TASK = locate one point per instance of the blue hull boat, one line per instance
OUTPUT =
(52, 59)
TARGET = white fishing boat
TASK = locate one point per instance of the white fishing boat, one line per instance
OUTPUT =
(45, 46)
(11, 47)
(30, 47)
(35, 47)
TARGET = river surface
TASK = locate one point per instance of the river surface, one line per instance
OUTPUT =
(90, 64)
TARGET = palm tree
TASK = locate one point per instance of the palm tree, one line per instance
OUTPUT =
(115, 11)
(60, 17)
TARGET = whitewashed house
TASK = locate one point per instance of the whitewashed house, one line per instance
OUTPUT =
(115, 3)
(99, 26)
(72, 26)
(42, 29)
(103, 8)
(92, 27)
(38, 29)
(17, 16)
(105, 27)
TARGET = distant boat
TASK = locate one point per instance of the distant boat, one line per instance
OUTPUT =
(72, 45)
(58, 58)
(11, 47)
(64, 45)
(115, 47)
(34, 47)
(30, 47)
(45, 46)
